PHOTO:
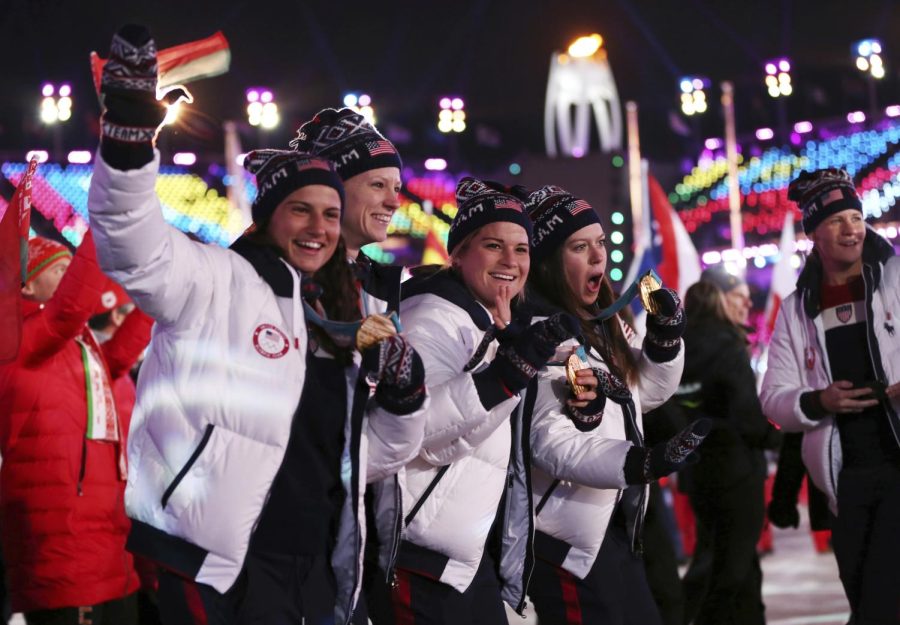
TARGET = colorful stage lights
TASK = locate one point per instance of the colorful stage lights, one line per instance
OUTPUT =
(262, 111)
(452, 114)
(693, 94)
(778, 77)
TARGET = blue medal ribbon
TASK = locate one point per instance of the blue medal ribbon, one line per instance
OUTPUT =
(343, 333)
(630, 293)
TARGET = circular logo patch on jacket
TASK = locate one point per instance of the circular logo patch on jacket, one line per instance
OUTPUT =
(270, 341)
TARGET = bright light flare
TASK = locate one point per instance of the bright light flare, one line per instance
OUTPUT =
(586, 46)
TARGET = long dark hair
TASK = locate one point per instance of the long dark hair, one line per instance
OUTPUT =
(606, 337)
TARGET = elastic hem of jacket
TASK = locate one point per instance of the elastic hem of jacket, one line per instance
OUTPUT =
(421, 560)
(173, 553)
(125, 156)
(550, 549)
(811, 405)
(491, 390)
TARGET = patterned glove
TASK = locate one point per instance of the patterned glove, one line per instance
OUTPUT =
(518, 360)
(643, 465)
(131, 114)
(400, 374)
(608, 386)
(665, 328)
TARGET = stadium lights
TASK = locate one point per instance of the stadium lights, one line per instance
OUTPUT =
(56, 104)
(452, 115)
(778, 77)
(693, 94)
(868, 57)
(362, 104)
(262, 111)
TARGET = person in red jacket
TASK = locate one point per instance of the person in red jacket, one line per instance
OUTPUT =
(62, 481)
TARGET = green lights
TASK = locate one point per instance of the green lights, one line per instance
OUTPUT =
(617, 256)
(515, 169)
(617, 218)
(617, 161)
(616, 237)
(615, 274)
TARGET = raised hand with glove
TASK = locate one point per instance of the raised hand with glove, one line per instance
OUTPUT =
(518, 360)
(400, 374)
(643, 465)
(665, 327)
(132, 113)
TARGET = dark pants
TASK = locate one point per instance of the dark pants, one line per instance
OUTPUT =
(116, 612)
(272, 589)
(723, 585)
(661, 562)
(614, 592)
(419, 600)
(866, 541)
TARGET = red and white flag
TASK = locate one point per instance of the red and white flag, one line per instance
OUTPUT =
(14, 225)
(784, 276)
(183, 63)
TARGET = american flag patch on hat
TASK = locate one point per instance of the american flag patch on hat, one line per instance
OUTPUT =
(380, 147)
(579, 206)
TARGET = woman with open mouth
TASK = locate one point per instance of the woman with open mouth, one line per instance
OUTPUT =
(467, 506)
(590, 465)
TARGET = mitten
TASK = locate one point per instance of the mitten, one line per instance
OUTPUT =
(400, 374)
(644, 465)
(518, 360)
(131, 112)
(664, 329)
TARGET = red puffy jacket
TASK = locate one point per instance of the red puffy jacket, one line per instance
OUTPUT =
(62, 517)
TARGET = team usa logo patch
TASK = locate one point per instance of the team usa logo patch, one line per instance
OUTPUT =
(844, 312)
(270, 342)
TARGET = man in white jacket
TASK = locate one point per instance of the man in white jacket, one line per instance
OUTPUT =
(834, 366)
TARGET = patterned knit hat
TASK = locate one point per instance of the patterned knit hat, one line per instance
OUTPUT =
(822, 193)
(556, 214)
(42, 253)
(482, 203)
(349, 140)
(281, 172)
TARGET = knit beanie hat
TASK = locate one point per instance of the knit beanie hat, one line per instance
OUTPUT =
(349, 140)
(721, 279)
(281, 172)
(822, 193)
(42, 253)
(482, 203)
(556, 214)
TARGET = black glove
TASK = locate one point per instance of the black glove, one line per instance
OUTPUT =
(644, 465)
(131, 112)
(783, 513)
(400, 374)
(519, 359)
(665, 328)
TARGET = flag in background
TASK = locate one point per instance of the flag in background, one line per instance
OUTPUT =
(434, 253)
(183, 63)
(240, 217)
(671, 253)
(784, 276)
(14, 225)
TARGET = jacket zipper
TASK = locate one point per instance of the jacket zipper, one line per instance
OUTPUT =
(82, 468)
(187, 466)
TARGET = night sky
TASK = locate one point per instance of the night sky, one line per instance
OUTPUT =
(493, 53)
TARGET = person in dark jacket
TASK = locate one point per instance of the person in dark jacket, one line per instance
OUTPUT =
(724, 581)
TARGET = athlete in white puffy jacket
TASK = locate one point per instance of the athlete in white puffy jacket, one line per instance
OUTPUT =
(467, 502)
(590, 463)
(252, 437)
(834, 374)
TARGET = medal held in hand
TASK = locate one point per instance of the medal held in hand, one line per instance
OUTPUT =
(574, 363)
(649, 282)
(373, 329)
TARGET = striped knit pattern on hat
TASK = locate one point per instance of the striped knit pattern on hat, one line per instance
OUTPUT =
(351, 142)
(481, 204)
(823, 193)
(556, 215)
(42, 253)
(281, 172)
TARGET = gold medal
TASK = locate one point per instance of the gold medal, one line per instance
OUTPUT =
(575, 363)
(647, 286)
(374, 329)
